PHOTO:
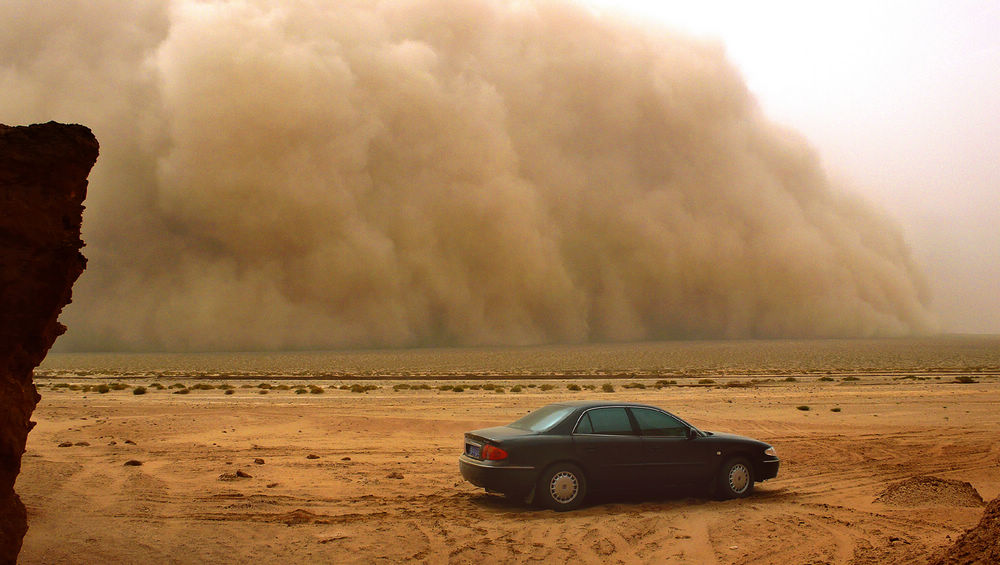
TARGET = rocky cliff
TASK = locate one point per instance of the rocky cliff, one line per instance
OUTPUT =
(978, 545)
(43, 181)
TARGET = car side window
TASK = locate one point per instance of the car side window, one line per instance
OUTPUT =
(656, 423)
(607, 421)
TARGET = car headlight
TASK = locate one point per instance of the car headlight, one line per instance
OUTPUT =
(771, 451)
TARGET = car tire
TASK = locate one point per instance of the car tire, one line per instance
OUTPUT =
(735, 479)
(561, 487)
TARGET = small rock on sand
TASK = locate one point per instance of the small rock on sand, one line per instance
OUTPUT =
(66, 444)
(312, 456)
(133, 463)
(394, 475)
(258, 461)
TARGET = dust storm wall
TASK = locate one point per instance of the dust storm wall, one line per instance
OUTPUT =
(340, 174)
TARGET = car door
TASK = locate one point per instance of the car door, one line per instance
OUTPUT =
(607, 445)
(669, 454)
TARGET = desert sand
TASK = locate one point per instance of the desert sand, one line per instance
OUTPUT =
(344, 477)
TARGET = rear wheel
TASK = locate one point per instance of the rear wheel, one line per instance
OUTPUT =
(735, 479)
(562, 487)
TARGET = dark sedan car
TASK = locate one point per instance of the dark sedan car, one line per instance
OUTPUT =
(555, 454)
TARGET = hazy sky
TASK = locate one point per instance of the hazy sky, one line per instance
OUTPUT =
(902, 100)
(348, 173)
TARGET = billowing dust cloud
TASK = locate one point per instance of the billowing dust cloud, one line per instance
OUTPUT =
(299, 173)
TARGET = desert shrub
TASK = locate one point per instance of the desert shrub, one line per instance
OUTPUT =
(139, 390)
(423, 386)
(102, 388)
(499, 390)
(118, 386)
(457, 389)
(263, 391)
(246, 385)
(202, 386)
(301, 391)
(182, 391)
(515, 388)
(634, 385)
(74, 387)
(532, 385)
(489, 386)
(573, 387)
(445, 387)
(229, 391)
(706, 382)
(225, 387)
(965, 379)
(790, 379)
(61, 385)
(177, 385)
(590, 387)
(737, 384)
(264, 385)
(803, 408)
(344, 387)
(313, 389)
(607, 387)
(362, 388)
(475, 387)
(826, 379)
(282, 387)
(547, 386)
(401, 386)
(850, 378)
(835, 409)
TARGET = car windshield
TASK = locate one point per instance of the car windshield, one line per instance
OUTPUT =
(542, 419)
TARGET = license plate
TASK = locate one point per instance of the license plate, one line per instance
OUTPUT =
(472, 450)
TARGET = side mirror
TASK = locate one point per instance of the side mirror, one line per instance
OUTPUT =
(692, 433)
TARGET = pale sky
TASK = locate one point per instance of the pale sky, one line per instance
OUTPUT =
(902, 101)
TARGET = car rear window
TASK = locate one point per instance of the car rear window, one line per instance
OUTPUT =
(607, 421)
(542, 419)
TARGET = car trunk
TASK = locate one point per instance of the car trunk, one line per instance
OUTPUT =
(476, 439)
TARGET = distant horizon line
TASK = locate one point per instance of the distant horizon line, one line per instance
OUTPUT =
(127, 351)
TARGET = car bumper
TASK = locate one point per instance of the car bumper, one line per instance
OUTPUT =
(508, 479)
(768, 469)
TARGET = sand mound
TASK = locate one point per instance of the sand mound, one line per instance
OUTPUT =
(980, 544)
(924, 491)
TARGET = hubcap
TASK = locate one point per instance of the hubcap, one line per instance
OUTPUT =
(739, 478)
(564, 487)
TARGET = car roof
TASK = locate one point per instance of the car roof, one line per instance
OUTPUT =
(596, 403)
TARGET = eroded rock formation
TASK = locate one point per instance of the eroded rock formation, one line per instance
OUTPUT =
(978, 545)
(43, 181)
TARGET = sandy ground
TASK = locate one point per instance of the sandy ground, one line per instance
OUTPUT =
(368, 478)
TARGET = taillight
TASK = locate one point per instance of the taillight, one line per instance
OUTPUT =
(493, 453)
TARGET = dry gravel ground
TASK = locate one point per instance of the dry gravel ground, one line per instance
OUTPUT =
(368, 478)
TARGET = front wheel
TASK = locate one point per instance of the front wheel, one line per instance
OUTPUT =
(735, 479)
(562, 487)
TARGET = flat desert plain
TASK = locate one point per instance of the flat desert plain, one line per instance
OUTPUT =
(343, 477)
